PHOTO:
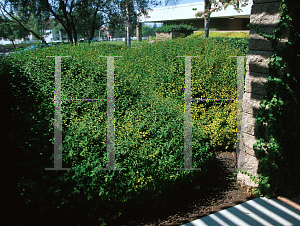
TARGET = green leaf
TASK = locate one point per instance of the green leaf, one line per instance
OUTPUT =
(278, 58)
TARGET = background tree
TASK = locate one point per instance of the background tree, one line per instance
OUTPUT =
(130, 17)
(154, 28)
(211, 6)
(116, 24)
(147, 31)
(76, 16)
(130, 11)
(11, 30)
(88, 22)
(58, 28)
(13, 14)
(40, 25)
(72, 15)
(91, 18)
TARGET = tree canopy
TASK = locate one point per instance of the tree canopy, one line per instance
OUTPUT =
(11, 30)
(77, 17)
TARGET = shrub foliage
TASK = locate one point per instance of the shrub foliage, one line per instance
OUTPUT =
(149, 122)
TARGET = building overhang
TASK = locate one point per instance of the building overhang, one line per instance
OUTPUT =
(187, 12)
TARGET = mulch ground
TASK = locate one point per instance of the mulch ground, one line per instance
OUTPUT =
(217, 191)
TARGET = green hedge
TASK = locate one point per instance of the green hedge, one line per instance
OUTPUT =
(221, 34)
(176, 27)
(149, 119)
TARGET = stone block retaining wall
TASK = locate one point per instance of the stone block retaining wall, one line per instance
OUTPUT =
(265, 14)
(162, 36)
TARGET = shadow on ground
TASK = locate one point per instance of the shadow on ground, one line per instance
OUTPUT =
(181, 200)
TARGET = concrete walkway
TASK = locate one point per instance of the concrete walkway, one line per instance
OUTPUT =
(259, 211)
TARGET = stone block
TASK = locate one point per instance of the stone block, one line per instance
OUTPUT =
(254, 82)
(249, 161)
(249, 126)
(265, 14)
(163, 36)
(257, 61)
(245, 179)
(249, 140)
(250, 165)
(251, 103)
(258, 42)
(249, 123)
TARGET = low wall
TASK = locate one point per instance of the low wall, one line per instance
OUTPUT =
(162, 36)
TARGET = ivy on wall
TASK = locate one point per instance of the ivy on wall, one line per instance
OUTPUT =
(279, 155)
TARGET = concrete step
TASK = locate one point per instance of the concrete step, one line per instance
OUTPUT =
(258, 212)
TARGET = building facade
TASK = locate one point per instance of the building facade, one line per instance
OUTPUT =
(228, 19)
(49, 37)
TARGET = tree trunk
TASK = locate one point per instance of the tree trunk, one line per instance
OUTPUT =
(70, 37)
(207, 5)
(127, 26)
(13, 43)
(75, 36)
(74, 31)
(92, 32)
(206, 26)
(139, 32)
(112, 33)
(127, 37)
(69, 23)
(68, 29)
(93, 26)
